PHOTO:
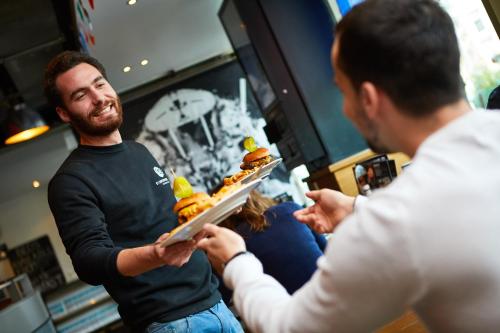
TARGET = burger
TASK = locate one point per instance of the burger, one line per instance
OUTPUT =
(257, 158)
(187, 208)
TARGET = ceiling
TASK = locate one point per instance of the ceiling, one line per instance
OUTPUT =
(171, 34)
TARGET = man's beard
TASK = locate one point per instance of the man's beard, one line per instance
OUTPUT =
(84, 125)
(372, 136)
(378, 148)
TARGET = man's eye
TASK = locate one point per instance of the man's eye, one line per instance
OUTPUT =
(100, 85)
(79, 97)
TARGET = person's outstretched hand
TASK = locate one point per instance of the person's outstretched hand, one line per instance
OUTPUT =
(222, 244)
(176, 254)
(329, 209)
(138, 260)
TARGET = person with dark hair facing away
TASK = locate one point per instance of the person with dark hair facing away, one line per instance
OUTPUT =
(494, 99)
(110, 198)
(428, 241)
(287, 248)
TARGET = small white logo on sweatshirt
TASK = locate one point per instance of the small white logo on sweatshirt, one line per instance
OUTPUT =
(164, 180)
(159, 172)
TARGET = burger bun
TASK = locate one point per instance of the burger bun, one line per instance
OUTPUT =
(195, 198)
(256, 155)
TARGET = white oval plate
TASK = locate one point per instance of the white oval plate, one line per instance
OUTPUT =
(218, 213)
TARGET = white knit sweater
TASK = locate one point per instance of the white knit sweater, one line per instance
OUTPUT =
(429, 241)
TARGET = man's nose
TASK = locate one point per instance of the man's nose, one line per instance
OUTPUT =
(98, 97)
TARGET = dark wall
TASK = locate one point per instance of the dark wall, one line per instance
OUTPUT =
(292, 41)
(304, 31)
(26, 24)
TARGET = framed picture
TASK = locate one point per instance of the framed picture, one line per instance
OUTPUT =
(374, 173)
(38, 260)
(197, 128)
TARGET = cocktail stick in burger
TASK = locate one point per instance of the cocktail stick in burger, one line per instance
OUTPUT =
(190, 204)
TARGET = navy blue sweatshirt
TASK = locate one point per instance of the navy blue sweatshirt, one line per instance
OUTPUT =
(108, 198)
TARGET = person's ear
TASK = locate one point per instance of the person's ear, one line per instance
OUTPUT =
(63, 114)
(370, 99)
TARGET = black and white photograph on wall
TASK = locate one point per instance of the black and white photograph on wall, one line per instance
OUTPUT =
(197, 128)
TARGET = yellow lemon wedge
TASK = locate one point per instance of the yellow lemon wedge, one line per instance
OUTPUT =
(249, 144)
(182, 188)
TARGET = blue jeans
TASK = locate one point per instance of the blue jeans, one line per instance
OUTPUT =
(217, 319)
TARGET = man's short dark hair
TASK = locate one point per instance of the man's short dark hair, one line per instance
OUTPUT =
(408, 48)
(494, 99)
(60, 64)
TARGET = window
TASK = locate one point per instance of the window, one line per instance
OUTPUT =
(479, 47)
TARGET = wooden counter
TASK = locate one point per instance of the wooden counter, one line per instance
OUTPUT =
(339, 176)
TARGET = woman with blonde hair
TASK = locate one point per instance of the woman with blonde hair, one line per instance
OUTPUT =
(287, 248)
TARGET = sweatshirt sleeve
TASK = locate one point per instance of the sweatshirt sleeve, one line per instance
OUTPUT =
(366, 278)
(82, 228)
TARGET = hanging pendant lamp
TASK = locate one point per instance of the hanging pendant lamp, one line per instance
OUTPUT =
(24, 124)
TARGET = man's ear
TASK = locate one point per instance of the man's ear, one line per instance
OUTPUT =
(370, 99)
(63, 114)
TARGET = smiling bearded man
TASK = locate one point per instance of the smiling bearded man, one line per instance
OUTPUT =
(109, 200)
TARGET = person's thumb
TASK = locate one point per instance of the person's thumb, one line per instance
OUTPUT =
(202, 244)
(210, 229)
(163, 237)
(314, 195)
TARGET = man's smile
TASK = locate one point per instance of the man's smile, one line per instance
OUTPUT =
(104, 111)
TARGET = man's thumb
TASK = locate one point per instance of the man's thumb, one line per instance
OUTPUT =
(202, 244)
(314, 195)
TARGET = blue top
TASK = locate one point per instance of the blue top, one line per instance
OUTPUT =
(287, 248)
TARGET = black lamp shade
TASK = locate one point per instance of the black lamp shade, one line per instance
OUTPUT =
(24, 124)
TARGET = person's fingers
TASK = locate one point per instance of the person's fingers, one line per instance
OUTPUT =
(184, 256)
(304, 211)
(163, 237)
(307, 219)
(180, 263)
(318, 227)
(187, 255)
(203, 244)
(200, 235)
(179, 246)
(191, 246)
(299, 215)
(210, 229)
